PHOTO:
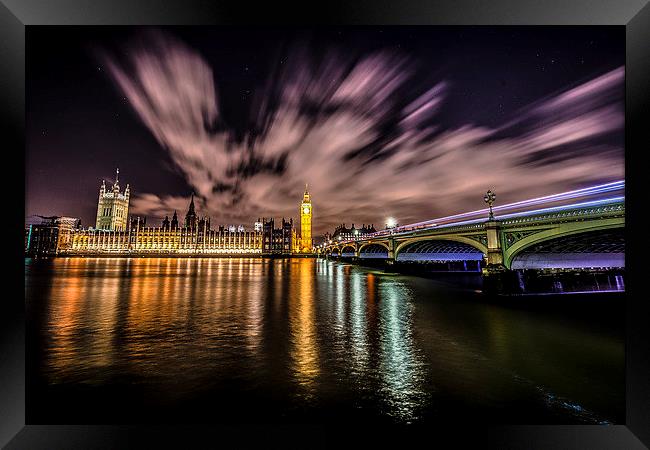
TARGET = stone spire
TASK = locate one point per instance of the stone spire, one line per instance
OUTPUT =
(116, 186)
(191, 209)
(306, 197)
(191, 219)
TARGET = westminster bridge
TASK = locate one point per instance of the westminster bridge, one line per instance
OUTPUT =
(578, 236)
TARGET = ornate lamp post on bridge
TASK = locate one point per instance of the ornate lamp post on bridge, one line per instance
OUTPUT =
(496, 276)
(489, 198)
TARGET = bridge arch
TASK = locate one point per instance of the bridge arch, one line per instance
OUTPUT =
(460, 239)
(348, 249)
(373, 243)
(559, 231)
(377, 250)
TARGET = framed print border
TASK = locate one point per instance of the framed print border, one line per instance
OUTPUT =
(16, 15)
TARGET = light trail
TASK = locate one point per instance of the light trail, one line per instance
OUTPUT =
(593, 190)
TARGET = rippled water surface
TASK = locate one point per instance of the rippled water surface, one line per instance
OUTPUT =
(301, 340)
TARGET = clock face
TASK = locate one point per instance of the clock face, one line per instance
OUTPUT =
(305, 209)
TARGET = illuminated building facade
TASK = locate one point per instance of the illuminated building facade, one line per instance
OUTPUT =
(120, 235)
(42, 240)
(306, 243)
(112, 207)
(155, 240)
(277, 240)
(48, 236)
(194, 238)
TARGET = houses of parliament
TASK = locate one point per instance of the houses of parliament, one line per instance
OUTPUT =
(115, 233)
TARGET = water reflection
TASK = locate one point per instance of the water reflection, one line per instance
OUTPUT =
(303, 336)
(359, 337)
(401, 368)
(304, 351)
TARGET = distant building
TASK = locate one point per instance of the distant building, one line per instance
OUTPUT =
(341, 233)
(68, 223)
(42, 240)
(112, 207)
(50, 235)
(277, 240)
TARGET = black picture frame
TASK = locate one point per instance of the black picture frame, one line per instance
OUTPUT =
(16, 15)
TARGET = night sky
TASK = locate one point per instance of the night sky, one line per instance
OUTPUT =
(410, 122)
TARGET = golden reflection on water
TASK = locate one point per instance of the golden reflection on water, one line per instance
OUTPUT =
(304, 351)
(82, 319)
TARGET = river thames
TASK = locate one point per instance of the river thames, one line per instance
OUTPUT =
(138, 340)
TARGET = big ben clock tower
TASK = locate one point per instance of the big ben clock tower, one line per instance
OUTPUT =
(305, 223)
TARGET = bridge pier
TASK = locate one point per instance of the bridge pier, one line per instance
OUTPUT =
(497, 280)
(390, 261)
(494, 248)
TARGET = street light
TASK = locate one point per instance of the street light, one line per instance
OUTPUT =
(489, 198)
(391, 222)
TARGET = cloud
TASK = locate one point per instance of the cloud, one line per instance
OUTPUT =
(367, 143)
